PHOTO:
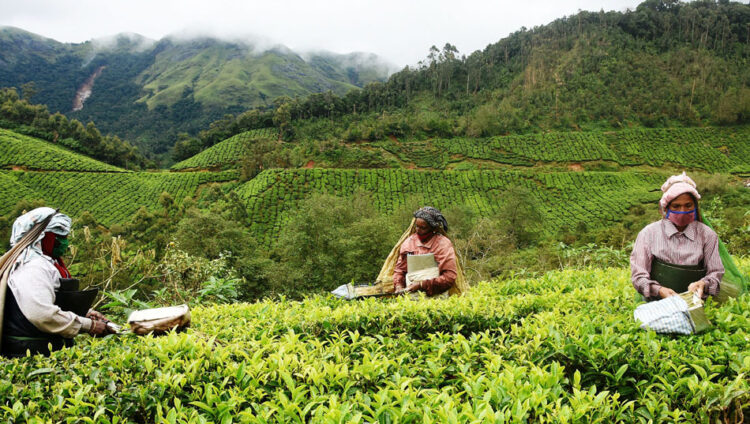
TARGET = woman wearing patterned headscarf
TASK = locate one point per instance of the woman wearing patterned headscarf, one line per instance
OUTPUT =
(31, 317)
(679, 252)
(429, 237)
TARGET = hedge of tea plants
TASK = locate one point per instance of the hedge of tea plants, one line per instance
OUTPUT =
(561, 348)
(712, 149)
(17, 150)
(110, 197)
(563, 198)
(227, 151)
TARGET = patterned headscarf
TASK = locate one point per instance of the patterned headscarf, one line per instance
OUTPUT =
(59, 224)
(433, 217)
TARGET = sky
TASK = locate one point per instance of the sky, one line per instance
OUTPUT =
(400, 31)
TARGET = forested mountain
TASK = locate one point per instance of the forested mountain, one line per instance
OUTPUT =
(148, 91)
(665, 63)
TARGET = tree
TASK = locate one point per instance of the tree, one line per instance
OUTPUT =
(29, 90)
(521, 217)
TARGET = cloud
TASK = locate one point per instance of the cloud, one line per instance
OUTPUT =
(399, 30)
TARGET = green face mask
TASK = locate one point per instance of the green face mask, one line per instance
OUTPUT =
(61, 246)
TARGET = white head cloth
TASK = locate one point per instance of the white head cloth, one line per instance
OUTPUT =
(59, 224)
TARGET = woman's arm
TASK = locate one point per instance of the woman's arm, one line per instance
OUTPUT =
(399, 272)
(34, 290)
(640, 268)
(445, 256)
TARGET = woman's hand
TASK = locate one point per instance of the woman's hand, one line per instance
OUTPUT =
(697, 288)
(413, 287)
(96, 316)
(665, 292)
(99, 328)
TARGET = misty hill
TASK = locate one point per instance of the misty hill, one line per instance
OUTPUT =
(666, 63)
(147, 91)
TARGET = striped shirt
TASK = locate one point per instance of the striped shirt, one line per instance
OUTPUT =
(662, 240)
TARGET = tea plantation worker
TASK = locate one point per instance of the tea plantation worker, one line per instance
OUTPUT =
(679, 253)
(430, 237)
(32, 318)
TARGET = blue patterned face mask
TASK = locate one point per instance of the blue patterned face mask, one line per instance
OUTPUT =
(682, 219)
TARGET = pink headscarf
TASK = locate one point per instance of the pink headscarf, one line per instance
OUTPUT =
(675, 186)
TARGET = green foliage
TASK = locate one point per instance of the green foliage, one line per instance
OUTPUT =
(35, 120)
(31, 153)
(656, 66)
(711, 149)
(329, 240)
(561, 198)
(559, 348)
(228, 151)
(521, 217)
(110, 197)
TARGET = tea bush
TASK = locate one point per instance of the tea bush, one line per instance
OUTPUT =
(712, 149)
(32, 153)
(559, 348)
(228, 151)
(110, 197)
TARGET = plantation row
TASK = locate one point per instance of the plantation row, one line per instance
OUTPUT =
(562, 198)
(560, 348)
(35, 154)
(110, 197)
(710, 149)
(228, 151)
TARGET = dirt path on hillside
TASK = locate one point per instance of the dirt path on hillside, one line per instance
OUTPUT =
(84, 92)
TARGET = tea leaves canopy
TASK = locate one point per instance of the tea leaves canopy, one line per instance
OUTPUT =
(17, 150)
(559, 348)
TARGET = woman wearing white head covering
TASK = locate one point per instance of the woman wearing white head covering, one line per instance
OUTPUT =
(679, 252)
(31, 318)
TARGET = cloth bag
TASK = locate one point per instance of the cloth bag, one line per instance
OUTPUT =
(681, 314)
(159, 320)
(420, 268)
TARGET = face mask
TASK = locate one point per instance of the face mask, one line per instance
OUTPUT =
(681, 219)
(61, 246)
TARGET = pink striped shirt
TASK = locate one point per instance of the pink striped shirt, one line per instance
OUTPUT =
(662, 240)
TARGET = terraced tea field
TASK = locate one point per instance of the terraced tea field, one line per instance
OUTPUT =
(564, 198)
(17, 150)
(226, 152)
(709, 149)
(110, 197)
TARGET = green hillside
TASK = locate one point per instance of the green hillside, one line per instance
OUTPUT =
(20, 151)
(149, 91)
(716, 149)
(563, 198)
(228, 152)
(648, 67)
(560, 348)
(712, 149)
(220, 74)
(110, 197)
(23, 117)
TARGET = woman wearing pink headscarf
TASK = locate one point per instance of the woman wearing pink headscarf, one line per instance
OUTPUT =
(678, 253)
